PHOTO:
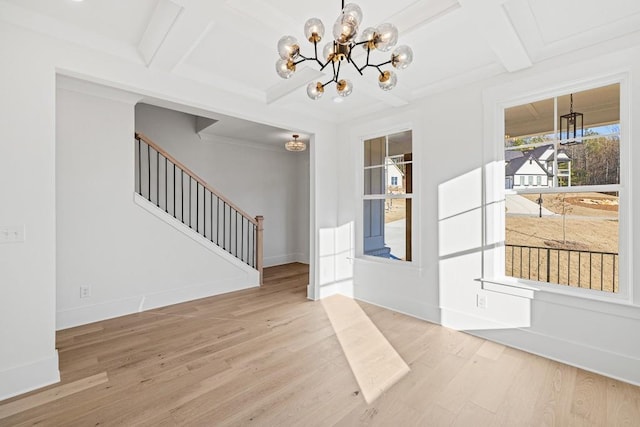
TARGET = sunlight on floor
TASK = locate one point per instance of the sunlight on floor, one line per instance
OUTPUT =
(373, 360)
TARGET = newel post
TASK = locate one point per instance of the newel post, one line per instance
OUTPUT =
(259, 244)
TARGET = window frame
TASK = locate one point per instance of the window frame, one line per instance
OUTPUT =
(360, 171)
(496, 101)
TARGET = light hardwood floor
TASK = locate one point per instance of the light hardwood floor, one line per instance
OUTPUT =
(270, 357)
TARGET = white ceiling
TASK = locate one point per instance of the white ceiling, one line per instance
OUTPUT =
(232, 44)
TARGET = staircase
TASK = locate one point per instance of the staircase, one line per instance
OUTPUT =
(180, 193)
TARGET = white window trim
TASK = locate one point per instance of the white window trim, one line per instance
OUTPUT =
(415, 219)
(496, 100)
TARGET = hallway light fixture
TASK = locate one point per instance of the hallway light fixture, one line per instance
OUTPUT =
(295, 145)
(345, 30)
(571, 127)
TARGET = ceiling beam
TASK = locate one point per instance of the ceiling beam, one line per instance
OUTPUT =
(172, 34)
(302, 77)
(421, 13)
(162, 19)
(494, 24)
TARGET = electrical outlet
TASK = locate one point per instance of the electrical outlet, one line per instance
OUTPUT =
(481, 301)
(85, 291)
(11, 233)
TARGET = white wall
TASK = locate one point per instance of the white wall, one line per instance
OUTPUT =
(27, 198)
(441, 284)
(131, 260)
(406, 287)
(268, 181)
(27, 146)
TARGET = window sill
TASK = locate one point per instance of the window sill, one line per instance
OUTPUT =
(405, 265)
(619, 305)
(508, 286)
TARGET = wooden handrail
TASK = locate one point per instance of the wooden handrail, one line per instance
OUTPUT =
(192, 174)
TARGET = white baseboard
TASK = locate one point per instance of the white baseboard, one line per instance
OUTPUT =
(311, 292)
(593, 359)
(107, 310)
(285, 259)
(302, 258)
(343, 287)
(28, 377)
(426, 312)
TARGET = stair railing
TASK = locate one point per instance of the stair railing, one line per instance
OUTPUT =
(174, 188)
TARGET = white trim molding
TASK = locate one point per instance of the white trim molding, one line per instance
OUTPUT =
(25, 378)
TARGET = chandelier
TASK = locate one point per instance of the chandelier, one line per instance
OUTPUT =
(295, 145)
(345, 32)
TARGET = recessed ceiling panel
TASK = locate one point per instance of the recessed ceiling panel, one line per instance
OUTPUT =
(558, 20)
(234, 56)
(123, 20)
(443, 49)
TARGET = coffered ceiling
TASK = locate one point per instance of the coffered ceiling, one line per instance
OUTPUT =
(231, 44)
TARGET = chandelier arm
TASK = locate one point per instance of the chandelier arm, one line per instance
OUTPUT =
(376, 66)
(336, 73)
(368, 54)
(372, 66)
(315, 50)
(350, 59)
(323, 66)
(381, 64)
(355, 66)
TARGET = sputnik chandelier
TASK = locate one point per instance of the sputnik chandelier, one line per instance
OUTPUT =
(345, 32)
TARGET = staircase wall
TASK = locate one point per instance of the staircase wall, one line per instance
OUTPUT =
(261, 179)
(130, 259)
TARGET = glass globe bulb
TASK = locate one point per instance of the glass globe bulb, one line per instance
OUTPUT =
(285, 68)
(401, 57)
(344, 87)
(387, 80)
(368, 35)
(354, 13)
(344, 30)
(328, 51)
(315, 90)
(314, 30)
(387, 36)
(288, 47)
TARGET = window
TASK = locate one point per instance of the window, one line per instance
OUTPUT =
(388, 196)
(567, 231)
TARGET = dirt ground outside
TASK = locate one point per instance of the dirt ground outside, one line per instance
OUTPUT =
(394, 209)
(589, 225)
(581, 204)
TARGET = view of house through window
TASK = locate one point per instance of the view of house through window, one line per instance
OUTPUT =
(387, 200)
(562, 188)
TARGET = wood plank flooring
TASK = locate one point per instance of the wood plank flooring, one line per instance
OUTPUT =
(270, 357)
